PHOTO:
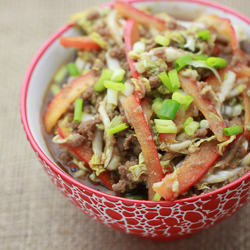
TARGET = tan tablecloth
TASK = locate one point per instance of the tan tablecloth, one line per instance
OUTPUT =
(33, 214)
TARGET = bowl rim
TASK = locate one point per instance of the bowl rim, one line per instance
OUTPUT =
(67, 177)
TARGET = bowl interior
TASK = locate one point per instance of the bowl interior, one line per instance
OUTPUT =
(52, 55)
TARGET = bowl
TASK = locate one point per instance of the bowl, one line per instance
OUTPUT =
(163, 220)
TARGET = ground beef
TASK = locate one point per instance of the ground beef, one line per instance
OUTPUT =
(76, 141)
(88, 128)
(201, 132)
(241, 173)
(97, 67)
(118, 52)
(70, 107)
(239, 57)
(128, 141)
(235, 121)
(65, 157)
(93, 15)
(126, 180)
(154, 82)
(103, 30)
(151, 44)
(245, 46)
(145, 32)
(160, 52)
(87, 93)
(227, 160)
(97, 102)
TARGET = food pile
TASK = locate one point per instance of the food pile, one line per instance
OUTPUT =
(152, 107)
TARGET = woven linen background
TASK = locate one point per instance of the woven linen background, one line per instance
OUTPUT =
(33, 214)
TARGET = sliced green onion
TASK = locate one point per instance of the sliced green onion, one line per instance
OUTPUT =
(165, 126)
(182, 62)
(156, 197)
(192, 127)
(165, 80)
(187, 122)
(106, 75)
(55, 89)
(78, 110)
(134, 197)
(174, 79)
(118, 75)
(72, 69)
(232, 130)
(114, 85)
(189, 100)
(200, 57)
(139, 47)
(60, 74)
(156, 106)
(216, 62)
(204, 124)
(168, 109)
(179, 97)
(204, 35)
(162, 40)
(117, 129)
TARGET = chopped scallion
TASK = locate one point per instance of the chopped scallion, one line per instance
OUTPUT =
(114, 85)
(233, 130)
(179, 97)
(60, 74)
(156, 106)
(216, 62)
(106, 75)
(165, 80)
(168, 109)
(162, 40)
(78, 110)
(204, 35)
(55, 89)
(118, 75)
(192, 127)
(72, 69)
(200, 57)
(134, 197)
(165, 126)
(117, 129)
(139, 47)
(156, 197)
(174, 79)
(182, 62)
(204, 124)
(187, 122)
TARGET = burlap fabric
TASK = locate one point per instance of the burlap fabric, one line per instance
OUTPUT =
(33, 214)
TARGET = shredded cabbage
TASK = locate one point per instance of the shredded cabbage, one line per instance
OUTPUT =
(225, 143)
(221, 175)
(202, 64)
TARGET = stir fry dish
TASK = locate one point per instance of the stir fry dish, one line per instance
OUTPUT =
(150, 106)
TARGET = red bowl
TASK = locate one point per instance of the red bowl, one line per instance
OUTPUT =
(148, 219)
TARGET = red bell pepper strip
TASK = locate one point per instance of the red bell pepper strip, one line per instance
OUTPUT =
(246, 104)
(189, 172)
(85, 153)
(66, 96)
(216, 123)
(131, 35)
(179, 120)
(79, 42)
(221, 25)
(128, 11)
(146, 105)
(138, 121)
